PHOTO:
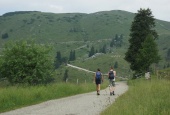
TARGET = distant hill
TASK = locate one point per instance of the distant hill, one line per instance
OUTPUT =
(70, 31)
(70, 26)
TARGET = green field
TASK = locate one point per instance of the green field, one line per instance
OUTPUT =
(144, 97)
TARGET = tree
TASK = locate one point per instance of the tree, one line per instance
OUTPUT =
(24, 62)
(104, 49)
(168, 55)
(147, 55)
(58, 56)
(92, 51)
(4, 36)
(65, 75)
(141, 27)
(116, 65)
(72, 56)
(58, 60)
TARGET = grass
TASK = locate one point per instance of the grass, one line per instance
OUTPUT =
(104, 62)
(14, 97)
(143, 98)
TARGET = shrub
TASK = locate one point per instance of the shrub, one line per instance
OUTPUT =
(24, 62)
(4, 36)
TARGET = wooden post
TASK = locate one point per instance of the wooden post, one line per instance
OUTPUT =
(77, 81)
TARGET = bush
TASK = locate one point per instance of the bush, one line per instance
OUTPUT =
(4, 36)
(24, 62)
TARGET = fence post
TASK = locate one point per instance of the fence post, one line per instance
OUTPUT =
(77, 81)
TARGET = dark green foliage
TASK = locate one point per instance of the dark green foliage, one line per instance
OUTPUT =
(65, 75)
(147, 55)
(58, 60)
(104, 49)
(117, 41)
(24, 62)
(4, 36)
(58, 56)
(17, 12)
(72, 56)
(116, 65)
(141, 27)
(57, 63)
(168, 65)
(92, 51)
(168, 55)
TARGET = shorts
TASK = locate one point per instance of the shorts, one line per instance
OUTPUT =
(111, 82)
(98, 81)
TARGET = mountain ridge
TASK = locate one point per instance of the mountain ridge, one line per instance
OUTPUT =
(75, 26)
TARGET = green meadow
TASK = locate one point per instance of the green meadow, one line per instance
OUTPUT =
(144, 97)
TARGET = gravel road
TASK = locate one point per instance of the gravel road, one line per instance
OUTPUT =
(82, 104)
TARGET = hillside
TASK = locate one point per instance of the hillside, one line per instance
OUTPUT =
(77, 31)
(70, 26)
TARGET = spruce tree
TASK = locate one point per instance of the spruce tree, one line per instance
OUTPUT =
(141, 27)
(71, 56)
(147, 55)
(116, 65)
(92, 51)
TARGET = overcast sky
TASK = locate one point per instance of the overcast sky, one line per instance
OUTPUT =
(160, 8)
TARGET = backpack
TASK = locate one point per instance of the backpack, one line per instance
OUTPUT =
(98, 75)
(111, 75)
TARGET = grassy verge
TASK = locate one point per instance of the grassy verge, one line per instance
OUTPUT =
(16, 97)
(143, 98)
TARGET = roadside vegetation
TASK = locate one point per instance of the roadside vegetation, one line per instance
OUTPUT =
(144, 97)
(13, 97)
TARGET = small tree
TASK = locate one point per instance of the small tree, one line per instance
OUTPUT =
(26, 63)
(116, 65)
(92, 51)
(58, 60)
(4, 36)
(168, 55)
(65, 75)
(72, 56)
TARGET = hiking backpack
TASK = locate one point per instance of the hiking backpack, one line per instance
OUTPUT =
(111, 75)
(98, 75)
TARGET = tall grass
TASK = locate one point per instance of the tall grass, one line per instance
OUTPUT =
(15, 97)
(143, 98)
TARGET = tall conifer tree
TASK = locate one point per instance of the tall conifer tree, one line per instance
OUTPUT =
(142, 26)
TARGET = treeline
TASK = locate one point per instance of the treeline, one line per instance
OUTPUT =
(17, 12)
(59, 60)
(116, 42)
(93, 50)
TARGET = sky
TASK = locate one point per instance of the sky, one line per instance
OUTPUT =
(160, 8)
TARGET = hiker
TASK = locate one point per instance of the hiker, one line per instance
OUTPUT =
(98, 78)
(111, 76)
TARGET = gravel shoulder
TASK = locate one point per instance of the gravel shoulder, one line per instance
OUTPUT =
(82, 104)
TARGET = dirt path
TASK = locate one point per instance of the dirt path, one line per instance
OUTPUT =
(83, 104)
